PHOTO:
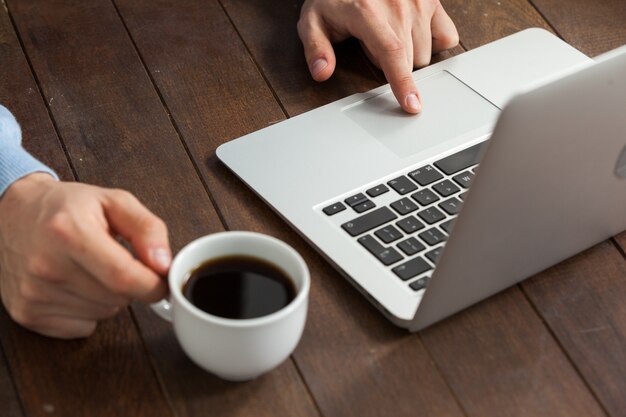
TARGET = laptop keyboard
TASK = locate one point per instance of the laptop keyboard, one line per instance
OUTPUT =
(407, 234)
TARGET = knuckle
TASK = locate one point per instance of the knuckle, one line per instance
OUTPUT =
(421, 60)
(365, 8)
(397, 6)
(429, 4)
(38, 267)
(119, 280)
(61, 227)
(30, 294)
(151, 223)
(303, 25)
(123, 196)
(449, 40)
(393, 45)
(406, 81)
(41, 268)
(23, 315)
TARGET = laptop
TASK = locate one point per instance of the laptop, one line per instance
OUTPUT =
(516, 162)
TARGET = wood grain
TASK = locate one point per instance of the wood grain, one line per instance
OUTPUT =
(8, 396)
(582, 300)
(593, 27)
(483, 21)
(353, 361)
(106, 374)
(270, 26)
(118, 134)
(508, 365)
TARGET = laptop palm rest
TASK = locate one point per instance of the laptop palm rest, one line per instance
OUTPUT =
(450, 109)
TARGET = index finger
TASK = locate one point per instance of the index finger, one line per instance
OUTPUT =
(116, 269)
(390, 51)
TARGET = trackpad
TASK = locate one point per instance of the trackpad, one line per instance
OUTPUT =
(450, 109)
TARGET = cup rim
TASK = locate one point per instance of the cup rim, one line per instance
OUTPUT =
(176, 293)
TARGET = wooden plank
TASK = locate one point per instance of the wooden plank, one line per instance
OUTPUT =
(54, 376)
(500, 360)
(592, 27)
(483, 21)
(8, 396)
(353, 361)
(582, 299)
(118, 134)
(106, 374)
(20, 94)
(289, 76)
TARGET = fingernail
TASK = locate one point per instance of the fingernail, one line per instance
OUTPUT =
(318, 66)
(413, 103)
(162, 257)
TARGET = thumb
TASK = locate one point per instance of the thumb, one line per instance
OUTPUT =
(146, 232)
(318, 49)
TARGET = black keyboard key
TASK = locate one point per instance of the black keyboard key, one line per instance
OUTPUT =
(355, 199)
(451, 205)
(433, 236)
(425, 175)
(461, 160)
(334, 209)
(388, 234)
(446, 188)
(446, 226)
(425, 197)
(431, 215)
(410, 224)
(402, 185)
(419, 284)
(404, 206)
(433, 255)
(464, 179)
(411, 246)
(412, 268)
(369, 221)
(364, 206)
(378, 190)
(387, 256)
(462, 195)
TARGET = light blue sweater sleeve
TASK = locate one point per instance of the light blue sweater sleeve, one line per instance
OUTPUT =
(15, 162)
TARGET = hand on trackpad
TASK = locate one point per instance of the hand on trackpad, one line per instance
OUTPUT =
(450, 108)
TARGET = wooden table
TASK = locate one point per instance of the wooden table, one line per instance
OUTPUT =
(138, 94)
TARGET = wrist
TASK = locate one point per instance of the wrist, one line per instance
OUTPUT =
(26, 184)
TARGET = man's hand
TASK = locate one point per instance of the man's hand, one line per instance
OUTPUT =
(397, 36)
(61, 269)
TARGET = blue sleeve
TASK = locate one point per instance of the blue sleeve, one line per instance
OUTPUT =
(15, 162)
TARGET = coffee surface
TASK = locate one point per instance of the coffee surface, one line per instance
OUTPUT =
(239, 287)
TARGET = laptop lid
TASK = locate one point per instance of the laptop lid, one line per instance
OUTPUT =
(551, 184)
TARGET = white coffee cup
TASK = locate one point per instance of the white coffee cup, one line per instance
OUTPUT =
(236, 349)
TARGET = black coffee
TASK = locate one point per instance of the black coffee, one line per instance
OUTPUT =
(238, 287)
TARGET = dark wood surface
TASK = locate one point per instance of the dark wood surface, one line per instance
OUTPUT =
(138, 94)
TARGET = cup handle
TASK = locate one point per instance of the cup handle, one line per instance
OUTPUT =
(163, 309)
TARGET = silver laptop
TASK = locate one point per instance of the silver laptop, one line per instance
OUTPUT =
(386, 196)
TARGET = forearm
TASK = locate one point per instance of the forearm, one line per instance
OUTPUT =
(15, 161)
